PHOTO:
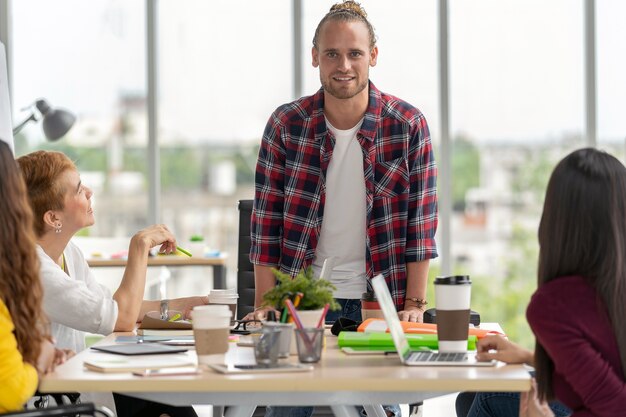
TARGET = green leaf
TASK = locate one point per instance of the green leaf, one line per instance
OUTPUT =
(316, 292)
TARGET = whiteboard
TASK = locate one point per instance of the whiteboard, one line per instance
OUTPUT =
(6, 129)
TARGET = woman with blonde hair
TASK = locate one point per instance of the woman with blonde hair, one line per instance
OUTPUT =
(25, 347)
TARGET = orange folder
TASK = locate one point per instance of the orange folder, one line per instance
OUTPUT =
(374, 325)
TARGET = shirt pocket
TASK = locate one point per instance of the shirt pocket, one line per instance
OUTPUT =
(391, 178)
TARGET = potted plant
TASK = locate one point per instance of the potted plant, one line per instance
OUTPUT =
(316, 293)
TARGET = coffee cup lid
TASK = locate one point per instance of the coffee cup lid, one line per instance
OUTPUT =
(215, 310)
(220, 296)
(219, 291)
(453, 280)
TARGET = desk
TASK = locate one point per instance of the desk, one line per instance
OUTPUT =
(338, 380)
(217, 263)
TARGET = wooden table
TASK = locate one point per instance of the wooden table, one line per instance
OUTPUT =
(338, 380)
(218, 263)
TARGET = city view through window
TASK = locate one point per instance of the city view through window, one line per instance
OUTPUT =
(517, 106)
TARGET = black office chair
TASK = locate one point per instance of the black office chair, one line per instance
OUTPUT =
(69, 410)
(245, 269)
(245, 284)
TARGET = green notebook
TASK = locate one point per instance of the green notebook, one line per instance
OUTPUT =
(383, 341)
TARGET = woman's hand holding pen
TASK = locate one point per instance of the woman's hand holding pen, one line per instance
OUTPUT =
(154, 235)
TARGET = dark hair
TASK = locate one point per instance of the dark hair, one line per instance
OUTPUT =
(347, 11)
(583, 232)
(20, 286)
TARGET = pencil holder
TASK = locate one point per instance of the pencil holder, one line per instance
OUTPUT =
(309, 341)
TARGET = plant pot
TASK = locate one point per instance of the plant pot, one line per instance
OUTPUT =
(309, 318)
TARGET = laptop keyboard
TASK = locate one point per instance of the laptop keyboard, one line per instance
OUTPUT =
(438, 357)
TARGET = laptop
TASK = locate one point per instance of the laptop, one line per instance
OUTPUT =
(413, 357)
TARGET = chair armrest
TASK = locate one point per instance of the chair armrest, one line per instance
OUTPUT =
(65, 410)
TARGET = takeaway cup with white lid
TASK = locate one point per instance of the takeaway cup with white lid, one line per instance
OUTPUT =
(452, 301)
(226, 297)
(211, 328)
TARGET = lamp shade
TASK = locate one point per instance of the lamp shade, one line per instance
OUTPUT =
(56, 122)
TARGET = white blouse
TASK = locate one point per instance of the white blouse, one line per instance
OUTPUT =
(75, 304)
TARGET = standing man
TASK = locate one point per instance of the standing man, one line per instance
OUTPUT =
(347, 173)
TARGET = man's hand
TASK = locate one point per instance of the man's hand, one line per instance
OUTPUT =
(260, 313)
(413, 314)
(497, 347)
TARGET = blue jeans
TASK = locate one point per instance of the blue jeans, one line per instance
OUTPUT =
(352, 310)
(497, 404)
(349, 308)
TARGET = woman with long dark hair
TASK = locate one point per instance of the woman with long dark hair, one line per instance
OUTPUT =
(578, 312)
(25, 346)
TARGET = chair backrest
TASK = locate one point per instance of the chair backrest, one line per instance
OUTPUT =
(245, 269)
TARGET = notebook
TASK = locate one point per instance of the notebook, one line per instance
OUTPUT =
(137, 363)
(410, 357)
(139, 349)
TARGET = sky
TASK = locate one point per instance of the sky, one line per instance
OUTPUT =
(516, 66)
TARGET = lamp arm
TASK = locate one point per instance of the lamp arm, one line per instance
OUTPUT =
(19, 127)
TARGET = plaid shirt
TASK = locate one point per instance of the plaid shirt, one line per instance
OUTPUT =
(400, 181)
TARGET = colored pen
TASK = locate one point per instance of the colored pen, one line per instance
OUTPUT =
(296, 319)
(297, 299)
(296, 303)
(294, 313)
(319, 323)
(186, 252)
(283, 315)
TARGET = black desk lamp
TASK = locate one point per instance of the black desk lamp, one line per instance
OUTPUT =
(56, 122)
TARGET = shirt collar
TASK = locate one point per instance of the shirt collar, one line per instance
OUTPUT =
(372, 114)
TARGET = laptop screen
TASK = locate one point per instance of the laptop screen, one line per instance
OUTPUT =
(391, 316)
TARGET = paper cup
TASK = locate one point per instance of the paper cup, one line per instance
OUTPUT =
(452, 300)
(211, 328)
(227, 297)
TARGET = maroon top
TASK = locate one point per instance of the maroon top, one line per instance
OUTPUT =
(572, 324)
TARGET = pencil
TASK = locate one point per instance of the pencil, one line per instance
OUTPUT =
(186, 252)
(319, 323)
(296, 303)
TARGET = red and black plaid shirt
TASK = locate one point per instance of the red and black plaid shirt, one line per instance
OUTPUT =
(400, 182)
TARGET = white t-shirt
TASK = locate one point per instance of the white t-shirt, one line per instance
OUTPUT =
(344, 226)
(75, 304)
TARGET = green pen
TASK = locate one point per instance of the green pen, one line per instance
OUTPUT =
(175, 317)
(186, 252)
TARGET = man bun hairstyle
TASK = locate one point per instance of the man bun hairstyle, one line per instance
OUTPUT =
(346, 11)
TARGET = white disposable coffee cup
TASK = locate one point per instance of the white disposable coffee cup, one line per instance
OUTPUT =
(452, 302)
(211, 328)
(227, 297)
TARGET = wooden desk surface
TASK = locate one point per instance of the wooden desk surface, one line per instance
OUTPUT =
(162, 260)
(364, 379)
